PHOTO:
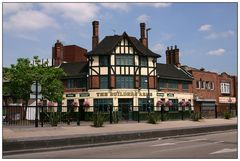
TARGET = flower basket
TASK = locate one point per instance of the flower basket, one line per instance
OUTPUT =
(50, 104)
(160, 103)
(182, 103)
(40, 103)
(86, 104)
(169, 103)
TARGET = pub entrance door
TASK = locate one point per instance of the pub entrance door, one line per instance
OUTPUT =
(125, 108)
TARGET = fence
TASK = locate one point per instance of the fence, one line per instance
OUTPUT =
(51, 116)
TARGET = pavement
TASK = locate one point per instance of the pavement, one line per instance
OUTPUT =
(28, 139)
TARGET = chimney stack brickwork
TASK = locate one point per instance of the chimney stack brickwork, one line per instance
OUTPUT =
(95, 37)
(172, 56)
(57, 53)
(143, 38)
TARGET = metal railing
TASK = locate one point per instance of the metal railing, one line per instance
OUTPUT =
(51, 116)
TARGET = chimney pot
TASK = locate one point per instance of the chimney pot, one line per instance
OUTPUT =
(168, 48)
(175, 46)
(95, 37)
(171, 47)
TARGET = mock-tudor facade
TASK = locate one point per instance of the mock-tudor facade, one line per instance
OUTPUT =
(123, 72)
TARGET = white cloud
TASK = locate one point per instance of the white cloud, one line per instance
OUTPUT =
(77, 12)
(9, 8)
(217, 52)
(116, 6)
(225, 34)
(206, 27)
(159, 48)
(143, 18)
(155, 5)
(28, 20)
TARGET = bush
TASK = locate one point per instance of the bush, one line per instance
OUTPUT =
(227, 115)
(195, 116)
(98, 119)
(153, 118)
(54, 118)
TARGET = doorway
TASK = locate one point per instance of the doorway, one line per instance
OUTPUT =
(125, 108)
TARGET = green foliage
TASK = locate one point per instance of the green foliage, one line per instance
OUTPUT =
(98, 119)
(22, 75)
(153, 118)
(195, 116)
(54, 118)
(227, 115)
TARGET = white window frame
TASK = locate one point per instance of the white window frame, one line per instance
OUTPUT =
(225, 88)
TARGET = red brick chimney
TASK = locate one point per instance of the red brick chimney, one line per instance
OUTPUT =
(57, 53)
(143, 39)
(95, 37)
(172, 56)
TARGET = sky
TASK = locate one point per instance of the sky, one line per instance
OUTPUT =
(205, 33)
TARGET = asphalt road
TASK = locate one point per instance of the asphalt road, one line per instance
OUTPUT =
(219, 145)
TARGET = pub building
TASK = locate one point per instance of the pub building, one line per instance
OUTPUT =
(123, 72)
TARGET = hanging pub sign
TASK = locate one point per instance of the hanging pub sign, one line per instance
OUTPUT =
(84, 94)
(170, 95)
(71, 95)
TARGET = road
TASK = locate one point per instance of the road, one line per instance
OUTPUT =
(218, 145)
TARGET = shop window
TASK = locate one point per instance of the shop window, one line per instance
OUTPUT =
(102, 105)
(174, 106)
(124, 81)
(143, 104)
(104, 82)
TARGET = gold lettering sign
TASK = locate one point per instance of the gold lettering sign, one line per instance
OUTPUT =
(122, 93)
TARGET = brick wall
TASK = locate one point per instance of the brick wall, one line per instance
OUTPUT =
(205, 76)
(73, 53)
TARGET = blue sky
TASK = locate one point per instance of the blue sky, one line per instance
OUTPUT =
(205, 33)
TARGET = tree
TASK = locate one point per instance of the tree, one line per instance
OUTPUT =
(23, 74)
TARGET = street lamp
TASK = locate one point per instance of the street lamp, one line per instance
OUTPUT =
(36, 89)
(148, 29)
(148, 96)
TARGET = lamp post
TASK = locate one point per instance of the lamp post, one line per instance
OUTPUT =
(148, 97)
(36, 89)
(148, 29)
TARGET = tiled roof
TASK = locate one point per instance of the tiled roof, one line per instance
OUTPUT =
(77, 69)
(109, 42)
(170, 71)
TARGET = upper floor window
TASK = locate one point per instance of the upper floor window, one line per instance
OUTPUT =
(77, 83)
(202, 85)
(124, 81)
(225, 88)
(209, 85)
(185, 86)
(162, 83)
(124, 59)
(144, 82)
(172, 84)
(197, 84)
(103, 60)
(104, 82)
(143, 61)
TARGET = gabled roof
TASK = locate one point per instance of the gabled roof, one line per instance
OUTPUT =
(109, 43)
(75, 70)
(170, 71)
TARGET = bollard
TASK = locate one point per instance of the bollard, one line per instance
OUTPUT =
(161, 113)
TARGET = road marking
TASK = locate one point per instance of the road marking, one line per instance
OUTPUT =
(164, 144)
(224, 151)
(187, 147)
